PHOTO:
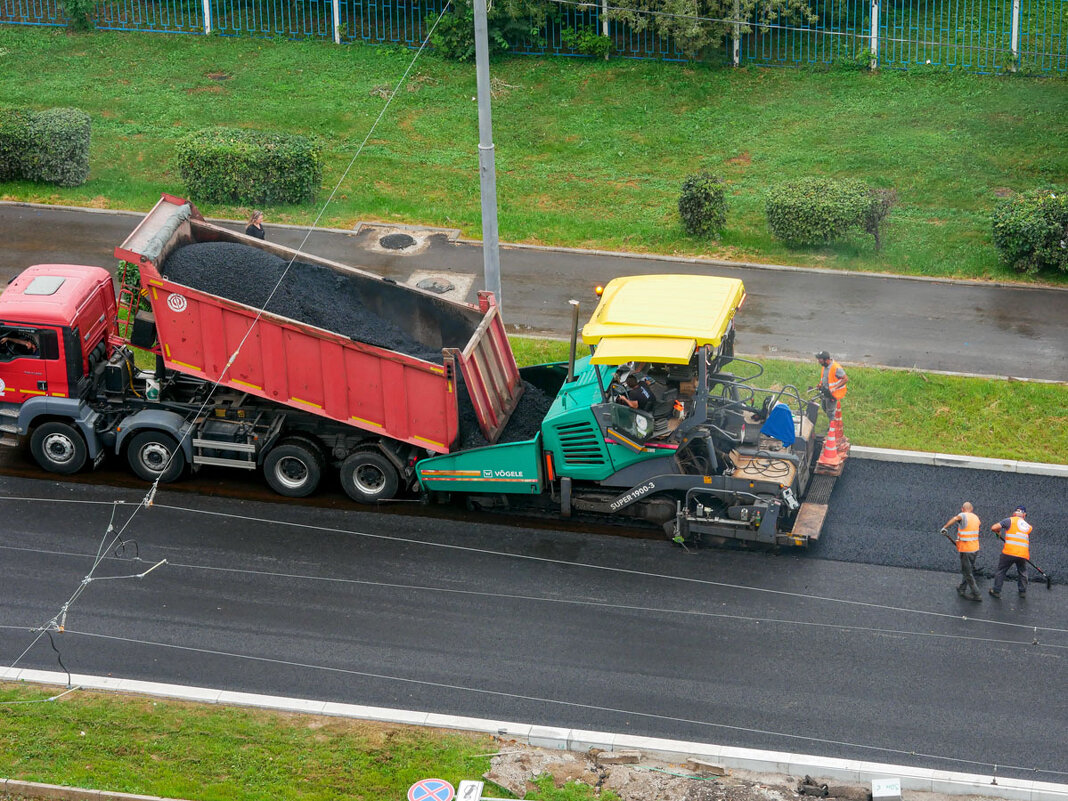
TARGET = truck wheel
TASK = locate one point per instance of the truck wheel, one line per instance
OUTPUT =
(59, 448)
(368, 477)
(155, 455)
(293, 468)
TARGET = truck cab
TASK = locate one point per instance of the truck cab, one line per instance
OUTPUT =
(55, 321)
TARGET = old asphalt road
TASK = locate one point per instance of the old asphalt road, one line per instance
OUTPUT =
(788, 653)
(934, 325)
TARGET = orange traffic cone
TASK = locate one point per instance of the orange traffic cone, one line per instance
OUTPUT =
(830, 460)
(836, 424)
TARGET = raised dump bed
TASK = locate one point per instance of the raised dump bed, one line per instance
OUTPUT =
(331, 340)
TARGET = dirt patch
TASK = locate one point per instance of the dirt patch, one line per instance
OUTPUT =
(1003, 191)
(743, 158)
(517, 768)
(213, 89)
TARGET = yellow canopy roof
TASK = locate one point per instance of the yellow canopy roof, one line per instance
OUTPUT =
(661, 318)
(659, 350)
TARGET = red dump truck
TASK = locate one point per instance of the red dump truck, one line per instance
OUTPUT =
(238, 387)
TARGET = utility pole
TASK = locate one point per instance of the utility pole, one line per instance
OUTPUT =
(487, 170)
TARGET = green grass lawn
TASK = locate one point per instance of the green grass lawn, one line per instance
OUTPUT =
(589, 153)
(212, 753)
(913, 410)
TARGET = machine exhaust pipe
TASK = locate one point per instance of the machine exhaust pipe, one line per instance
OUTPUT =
(574, 340)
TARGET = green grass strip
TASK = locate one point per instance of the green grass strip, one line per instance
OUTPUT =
(589, 153)
(206, 752)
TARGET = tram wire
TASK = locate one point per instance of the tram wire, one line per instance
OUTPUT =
(570, 704)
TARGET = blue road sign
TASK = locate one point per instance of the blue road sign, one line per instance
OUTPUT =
(431, 790)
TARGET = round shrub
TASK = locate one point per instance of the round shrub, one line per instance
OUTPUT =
(811, 211)
(703, 205)
(1031, 231)
(50, 146)
(261, 168)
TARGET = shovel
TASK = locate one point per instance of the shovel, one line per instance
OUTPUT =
(1041, 572)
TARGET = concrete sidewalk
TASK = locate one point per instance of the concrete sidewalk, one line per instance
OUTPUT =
(931, 324)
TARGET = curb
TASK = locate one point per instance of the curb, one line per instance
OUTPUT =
(956, 460)
(560, 739)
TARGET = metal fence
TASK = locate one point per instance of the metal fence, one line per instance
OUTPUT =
(985, 36)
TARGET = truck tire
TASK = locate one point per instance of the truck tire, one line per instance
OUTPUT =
(151, 452)
(294, 468)
(368, 477)
(59, 448)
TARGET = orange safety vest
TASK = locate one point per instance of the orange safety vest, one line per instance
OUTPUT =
(1017, 538)
(837, 386)
(968, 533)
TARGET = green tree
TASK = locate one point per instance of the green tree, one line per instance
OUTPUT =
(699, 25)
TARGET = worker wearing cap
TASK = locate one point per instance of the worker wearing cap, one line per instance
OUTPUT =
(967, 542)
(833, 380)
(1015, 532)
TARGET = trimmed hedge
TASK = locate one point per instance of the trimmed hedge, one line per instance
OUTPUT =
(50, 146)
(703, 205)
(1031, 231)
(223, 165)
(811, 211)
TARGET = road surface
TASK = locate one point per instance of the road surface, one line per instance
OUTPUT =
(934, 325)
(793, 653)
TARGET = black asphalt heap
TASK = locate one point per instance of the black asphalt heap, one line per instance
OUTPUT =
(325, 298)
(888, 513)
(309, 293)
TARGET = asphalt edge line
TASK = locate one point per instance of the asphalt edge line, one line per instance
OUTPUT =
(956, 460)
(578, 740)
(696, 260)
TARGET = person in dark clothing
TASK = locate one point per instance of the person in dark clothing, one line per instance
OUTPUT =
(638, 396)
(255, 225)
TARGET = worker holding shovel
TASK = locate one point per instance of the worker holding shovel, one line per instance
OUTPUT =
(1015, 532)
(967, 544)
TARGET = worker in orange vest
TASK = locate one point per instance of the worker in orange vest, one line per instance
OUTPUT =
(1017, 550)
(967, 542)
(833, 380)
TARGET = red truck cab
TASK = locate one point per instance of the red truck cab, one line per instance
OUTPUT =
(53, 318)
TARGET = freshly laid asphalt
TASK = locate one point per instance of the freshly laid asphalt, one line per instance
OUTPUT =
(970, 327)
(796, 652)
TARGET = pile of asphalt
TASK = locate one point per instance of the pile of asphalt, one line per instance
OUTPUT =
(889, 513)
(309, 293)
(524, 423)
(330, 300)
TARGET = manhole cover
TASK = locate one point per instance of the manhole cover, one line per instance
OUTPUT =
(396, 241)
(437, 285)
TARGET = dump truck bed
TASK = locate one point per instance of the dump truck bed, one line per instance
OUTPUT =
(412, 398)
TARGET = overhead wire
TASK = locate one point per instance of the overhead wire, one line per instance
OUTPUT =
(1031, 628)
(147, 501)
(571, 704)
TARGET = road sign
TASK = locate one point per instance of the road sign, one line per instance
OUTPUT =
(469, 790)
(431, 790)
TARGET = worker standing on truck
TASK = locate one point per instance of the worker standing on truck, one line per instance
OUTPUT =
(255, 225)
(967, 542)
(832, 387)
(1017, 550)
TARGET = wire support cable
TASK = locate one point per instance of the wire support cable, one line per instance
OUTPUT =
(57, 623)
(1030, 628)
(437, 685)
